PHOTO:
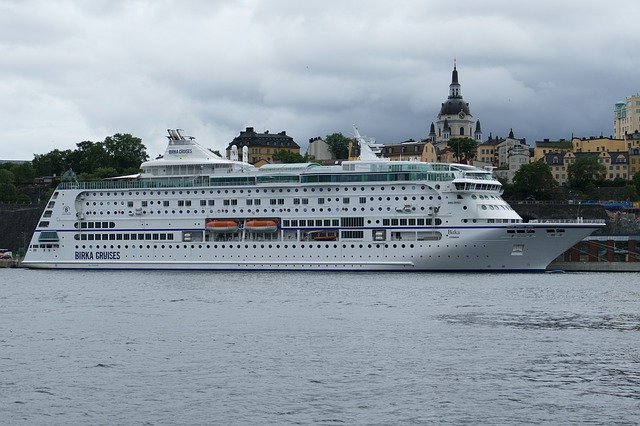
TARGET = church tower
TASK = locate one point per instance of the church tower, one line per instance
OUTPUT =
(455, 119)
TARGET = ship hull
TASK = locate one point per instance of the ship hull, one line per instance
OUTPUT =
(515, 248)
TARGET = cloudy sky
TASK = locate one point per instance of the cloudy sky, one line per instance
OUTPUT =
(83, 70)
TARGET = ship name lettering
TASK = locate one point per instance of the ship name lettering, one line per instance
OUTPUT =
(181, 151)
(99, 255)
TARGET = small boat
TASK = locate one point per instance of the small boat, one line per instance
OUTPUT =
(219, 225)
(261, 225)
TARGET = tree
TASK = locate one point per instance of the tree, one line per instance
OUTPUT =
(586, 169)
(338, 145)
(464, 149)
(6, 176)
(285, 156)
(534, 180)
(23, 173)
(52, 163)
(636, 181)
(126, 152)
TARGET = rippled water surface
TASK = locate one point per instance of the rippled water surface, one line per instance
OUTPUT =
(374, 348)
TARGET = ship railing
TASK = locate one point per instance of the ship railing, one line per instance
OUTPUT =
(136, 184)
(578, 220)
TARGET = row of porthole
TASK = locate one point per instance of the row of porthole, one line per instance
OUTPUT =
(262, 246)
(249, 191)
(283, 210)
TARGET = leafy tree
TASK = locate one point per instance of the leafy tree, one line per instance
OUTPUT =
(338, 145)
(7, 192)
(285, 156)
(105, 172)
(23, 173)
(464, 149)
(6, 177)
(534, 180)
(125, 152)
(52, 163)
(586, 169)
(89, 156)
(630, 193)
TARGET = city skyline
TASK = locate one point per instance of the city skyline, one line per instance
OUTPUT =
(76, 71)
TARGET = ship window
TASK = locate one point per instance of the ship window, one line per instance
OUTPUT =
(285, 223)
(181, 203)
(280, 201)
(385, 222)
(112, 236)
(363, 200)
(345, 200)
(129, 203)
(272, 201)
(47, 213)
(403, 222)
(294, 223)
(412, 222)
(156, 236)
(187, 203)
(318, 222)
(105, 224)
(303, 222)
(335, 222)
(141, 236)
(305, 201)
(257, 202)
(43, 224)
(211, 202)
(83, 225)
(327, 222)
(394, 222)
(203, 202)
(118, 236)
(90, 237)
(296, 201)
(320, 200)
(145, 204)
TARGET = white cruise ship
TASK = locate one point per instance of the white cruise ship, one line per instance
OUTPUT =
(191, 209)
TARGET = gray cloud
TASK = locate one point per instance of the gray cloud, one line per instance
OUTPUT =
(75, 70)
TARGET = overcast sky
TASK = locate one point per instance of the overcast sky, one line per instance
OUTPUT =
(83, 70)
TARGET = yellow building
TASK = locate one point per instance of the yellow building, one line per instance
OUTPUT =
(626, 117)
(547, 146)
(262, 146)
(423, 151)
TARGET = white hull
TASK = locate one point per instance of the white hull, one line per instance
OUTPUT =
(469, 249)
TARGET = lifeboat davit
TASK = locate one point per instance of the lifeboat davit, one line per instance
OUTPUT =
(257, 225)
(218, 225)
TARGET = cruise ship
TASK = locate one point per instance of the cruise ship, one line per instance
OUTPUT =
(193, 210)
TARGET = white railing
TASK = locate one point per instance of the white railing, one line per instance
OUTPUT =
(578, 220)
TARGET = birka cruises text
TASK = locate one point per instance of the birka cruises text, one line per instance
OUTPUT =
(99, 255)
(181, 151)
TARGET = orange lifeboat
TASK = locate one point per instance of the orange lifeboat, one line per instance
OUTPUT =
(219, 225)
(261, 225)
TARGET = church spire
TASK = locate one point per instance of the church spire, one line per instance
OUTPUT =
(454, 87)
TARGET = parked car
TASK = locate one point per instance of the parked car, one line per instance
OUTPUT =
(5, 254)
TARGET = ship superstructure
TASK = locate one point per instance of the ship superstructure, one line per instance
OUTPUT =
(191, 209)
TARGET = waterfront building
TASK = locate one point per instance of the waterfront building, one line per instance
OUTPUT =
(455, 119)
(411, 150)
(626, 117)
(262, 146)
(318, 150)
(546, 146)
(511, 153)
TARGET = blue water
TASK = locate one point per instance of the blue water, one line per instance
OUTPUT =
(328, 348)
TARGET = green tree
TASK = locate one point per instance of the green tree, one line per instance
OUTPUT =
(630, 193)
(338, 145)
(586, 169)
(636, 181)
(126, 152)
(6, 176)
(23, 173)
(7, 192)
(51, 163)
(534, 180)
(464, 149)
(285, 156)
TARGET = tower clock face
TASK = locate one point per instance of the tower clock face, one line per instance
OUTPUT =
(461, 114)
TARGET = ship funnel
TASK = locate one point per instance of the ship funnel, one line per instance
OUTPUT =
(245, 154)
(234, 153)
